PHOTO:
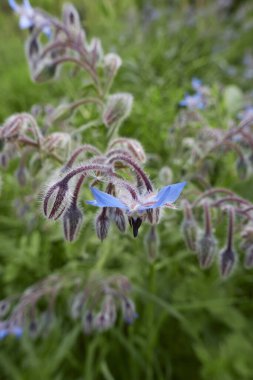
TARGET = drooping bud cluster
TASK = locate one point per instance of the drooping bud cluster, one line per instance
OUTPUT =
(205, 243)
(95, 303)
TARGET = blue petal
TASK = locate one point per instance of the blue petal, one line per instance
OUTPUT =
(103, 199)
(25, 22)
(27, 4)
(3, 333)
(169, 194)
(13, 5)
(196, 83)
(17, 331)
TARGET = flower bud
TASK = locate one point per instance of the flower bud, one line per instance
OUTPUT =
(109, 308)
(11, 127)
(153, 215)
(101, 321)
(128, 310)
(72, 222)
(152, 243)
(71, 17)
(227, 262)
(44, 72)
(4, 307)
(88, 320)
(112, 63)
(56, 200)
(117, 109)
(95, 51)
(33, 328)
(206, 249)
(248, 259)
(102, 224)
(119, 218)
(165, 175)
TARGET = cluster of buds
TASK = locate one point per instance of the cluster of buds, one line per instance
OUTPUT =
(122, 199)
(35, 142)
(215, 203)
(66, 42)
(94, 302)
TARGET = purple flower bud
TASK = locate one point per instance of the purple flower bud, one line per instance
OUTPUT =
(165, 175)
(102, 321)
(71, 17)
(128, 310)
(119, 218)
(88, 322)
(248, 259)
(102, 224)
(33, 328)
(32, 49)
(190, 230)
(4, 307)
(112, 63)
(206, 250)
(56, 199)
(72, 222)
(227, 262)
(153, 215)
(44, 71)
(117, 108)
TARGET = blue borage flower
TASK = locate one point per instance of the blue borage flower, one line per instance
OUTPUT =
(197, 100)
(164, 198)
(28, 17)
(137, 209)
(6, 330)
(193, 101)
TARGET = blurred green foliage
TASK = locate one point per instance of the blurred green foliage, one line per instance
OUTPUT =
(191, 325)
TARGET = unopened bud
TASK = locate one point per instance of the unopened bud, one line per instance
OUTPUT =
(88, 322)
(95, 51)
(152, 243)
(56, 200)
(4, 308)
(102, 224)
(248, 259)
(128, 310)
(153, 215)
(227, 262)
(32, 49)
(44, 72)
(165, 175)
(72, 222)
(206, 250)
(34, 328)
(71, 17)
(119, 218)
(117, 109)
(112, 63)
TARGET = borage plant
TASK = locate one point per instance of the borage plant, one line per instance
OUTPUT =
(48, 143)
